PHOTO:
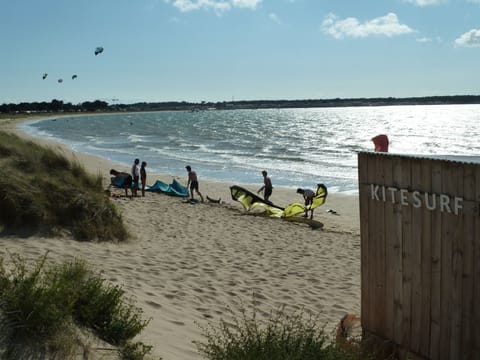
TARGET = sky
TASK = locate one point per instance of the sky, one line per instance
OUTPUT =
(224, 50)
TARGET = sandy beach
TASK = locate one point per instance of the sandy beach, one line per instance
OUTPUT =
(187, 264)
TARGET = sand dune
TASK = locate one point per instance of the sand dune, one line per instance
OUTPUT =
(190, 264)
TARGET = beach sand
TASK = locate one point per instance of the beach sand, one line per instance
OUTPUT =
(188, 265)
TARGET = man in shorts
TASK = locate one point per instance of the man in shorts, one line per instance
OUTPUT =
(308, 196)
(267, 187)
(192, 182)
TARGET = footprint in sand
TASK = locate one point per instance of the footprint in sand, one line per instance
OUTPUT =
(175, 322)
(153, 304)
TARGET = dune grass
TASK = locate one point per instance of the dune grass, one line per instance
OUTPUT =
(42, 191)
(41, 306)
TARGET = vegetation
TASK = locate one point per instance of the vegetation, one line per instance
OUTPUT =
(40, 309)
(53, 106)
(281, 336)
(98, 105)
(40, 190)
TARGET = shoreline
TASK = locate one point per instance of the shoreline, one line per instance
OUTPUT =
(347, 203)
(189, 265)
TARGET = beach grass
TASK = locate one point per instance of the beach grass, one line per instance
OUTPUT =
(43, 191)
(41, 307)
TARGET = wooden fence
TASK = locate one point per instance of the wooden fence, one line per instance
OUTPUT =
(420, 254)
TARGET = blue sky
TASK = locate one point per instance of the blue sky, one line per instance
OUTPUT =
(219, 50)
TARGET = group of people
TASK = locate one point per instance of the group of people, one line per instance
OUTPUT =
(267, 189)
(138, 175)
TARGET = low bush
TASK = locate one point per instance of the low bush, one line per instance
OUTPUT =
(102, 307)
(42, 304)
(281, 336)
(30, 307)
(135, 351)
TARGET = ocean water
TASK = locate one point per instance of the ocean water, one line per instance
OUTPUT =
(298, 147)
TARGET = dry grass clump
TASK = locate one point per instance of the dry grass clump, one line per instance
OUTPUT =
(41, 190)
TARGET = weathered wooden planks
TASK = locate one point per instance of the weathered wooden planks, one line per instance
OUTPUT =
(420, 253)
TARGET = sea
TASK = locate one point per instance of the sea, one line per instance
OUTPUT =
(297, 147)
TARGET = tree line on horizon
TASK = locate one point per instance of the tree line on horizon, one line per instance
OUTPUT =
(103, 106)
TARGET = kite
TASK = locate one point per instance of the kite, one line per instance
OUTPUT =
(251, 201)
(74, 77)
(98, 50)
(60, 80)
(44, 76)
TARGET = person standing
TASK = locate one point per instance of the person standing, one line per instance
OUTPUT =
(267, 186)
(192, 182)
(143, 176)
(308, 196)
(135, 175)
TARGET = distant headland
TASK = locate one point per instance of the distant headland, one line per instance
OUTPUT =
(104, 106)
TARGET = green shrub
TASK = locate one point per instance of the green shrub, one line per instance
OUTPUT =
(40, 305)
(102, 307)
(280, 336)
(135, 351)
(32, 307)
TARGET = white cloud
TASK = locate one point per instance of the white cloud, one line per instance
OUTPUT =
(423, 3)
(189, 5)
(469, 39)
(274, 18)
(387, 25)
(250, 4)
(424, 40)
(216, 5)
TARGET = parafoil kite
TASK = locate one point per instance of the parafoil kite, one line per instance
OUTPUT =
(44, 76)
(74, 77)
(60, 80)
(98, 50)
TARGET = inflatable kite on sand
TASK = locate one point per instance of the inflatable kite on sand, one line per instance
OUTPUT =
(250, 201)
(174, 189)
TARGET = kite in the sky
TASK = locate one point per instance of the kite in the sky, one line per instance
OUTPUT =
(44, 76)
(60, 80)
(74, 77)
(98, 50)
